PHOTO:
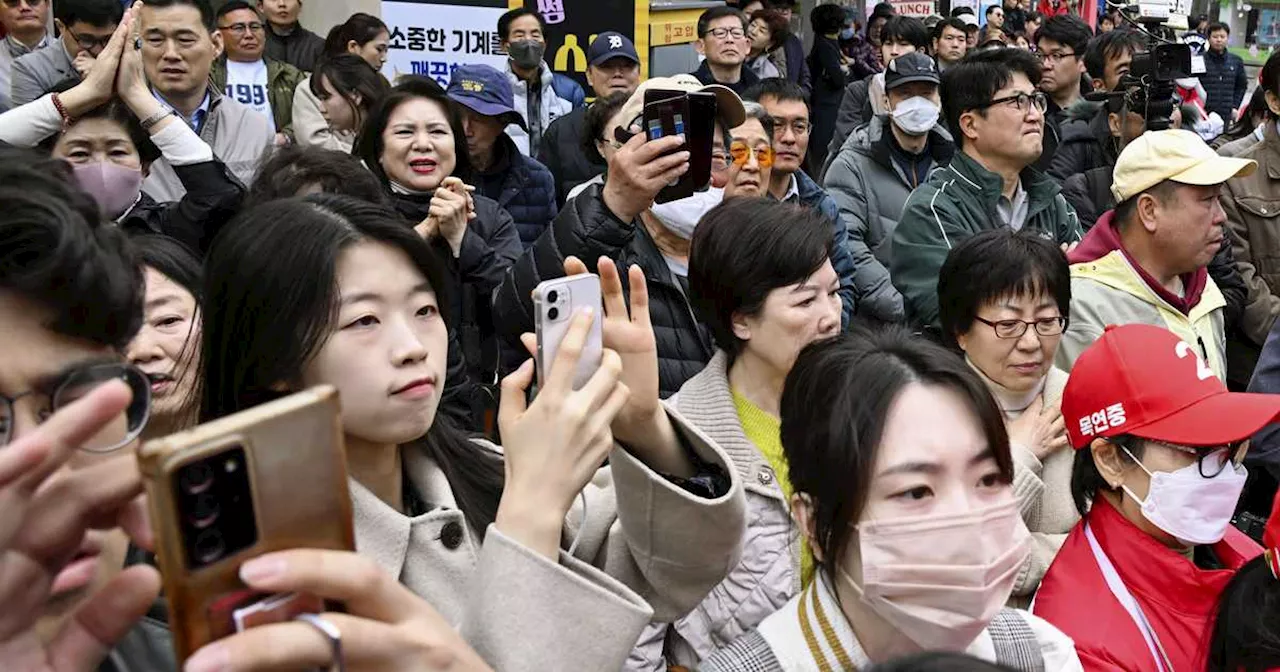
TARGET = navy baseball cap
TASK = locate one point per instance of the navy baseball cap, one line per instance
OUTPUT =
(609, 45)
(486, 91)
(911, 67)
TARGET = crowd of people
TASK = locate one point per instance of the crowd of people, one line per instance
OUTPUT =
(947, 367)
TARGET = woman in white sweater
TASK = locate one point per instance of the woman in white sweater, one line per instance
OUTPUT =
(1004, 300)
(363, 35)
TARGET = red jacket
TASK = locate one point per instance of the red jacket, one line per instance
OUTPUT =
(1177, 597)
(1049, 8)
(1271, 536)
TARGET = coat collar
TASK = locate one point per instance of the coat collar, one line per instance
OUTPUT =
(1271, 145)
(1040, 189)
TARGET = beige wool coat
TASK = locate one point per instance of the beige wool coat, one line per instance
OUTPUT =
(646, 550)
(309, 126)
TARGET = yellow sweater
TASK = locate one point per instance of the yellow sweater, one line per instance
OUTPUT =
(765, 431)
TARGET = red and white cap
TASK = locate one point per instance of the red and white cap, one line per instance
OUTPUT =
(1146, 382)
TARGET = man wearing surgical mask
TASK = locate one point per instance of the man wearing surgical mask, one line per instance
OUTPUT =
(621, 220)
(1157, 478)
(541, 96)
(876, 170)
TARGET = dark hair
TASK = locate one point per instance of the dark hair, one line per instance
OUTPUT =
(262, 325)
(505, 21)
(369, 146)
(974, 81)
(292, 170)
(1216, 26)
(349, 76)
(1269, 78)
(597, 120)
(97, 13)
(1244, 636)
(883, 10)
(745, 248)
(704, 21)
(1087, 481)
(234, 6)
(1068, 30)
(171, 259)
(206, 12)
(779, 4)
(997, 264)
(115, 111)
(779, 27)
(1246, 124)
(949, 22)
(992, 8)
(1111, 45)
(1035, 17)
(834, 406)
(939, 661)
(827, 19)
(58, 253)
(957, 12)
(360, 28)
(908, 29)
(778, 88)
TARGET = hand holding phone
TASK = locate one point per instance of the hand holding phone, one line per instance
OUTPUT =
(555, 303)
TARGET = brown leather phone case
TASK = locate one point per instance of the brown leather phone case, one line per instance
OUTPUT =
(294, 463)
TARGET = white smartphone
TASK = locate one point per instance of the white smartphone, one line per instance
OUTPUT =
(555, 302)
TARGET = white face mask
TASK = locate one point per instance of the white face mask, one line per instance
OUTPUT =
(916, 115)
(681, 216)
(1194, 509)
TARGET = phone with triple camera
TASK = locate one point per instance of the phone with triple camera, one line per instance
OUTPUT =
(269, 478)
(555, 302)
(693, 115)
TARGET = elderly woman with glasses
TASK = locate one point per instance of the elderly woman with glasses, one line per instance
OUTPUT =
(1003, 301)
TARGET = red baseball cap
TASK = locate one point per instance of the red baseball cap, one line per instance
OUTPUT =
(1146, 382)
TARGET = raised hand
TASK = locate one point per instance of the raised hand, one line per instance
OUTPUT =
(639, 170)
(451, 208)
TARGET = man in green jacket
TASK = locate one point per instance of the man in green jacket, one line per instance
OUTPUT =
(246, 76)
(996, 113)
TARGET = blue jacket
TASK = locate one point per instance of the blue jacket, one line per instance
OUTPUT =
(1224, 83)
(523, 187)
(814, 197)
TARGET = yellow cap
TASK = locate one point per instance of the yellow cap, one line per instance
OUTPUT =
(1177, 155)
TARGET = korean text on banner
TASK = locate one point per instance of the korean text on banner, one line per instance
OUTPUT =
(572, 24)
(432, 39)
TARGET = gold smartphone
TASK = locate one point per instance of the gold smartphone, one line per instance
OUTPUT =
(269, 478)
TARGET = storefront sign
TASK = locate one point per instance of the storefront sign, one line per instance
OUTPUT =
(572, 24)
(920, 8)
(432, 39)
(674, 27)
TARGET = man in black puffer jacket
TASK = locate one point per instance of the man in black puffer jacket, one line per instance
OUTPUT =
(619, 220)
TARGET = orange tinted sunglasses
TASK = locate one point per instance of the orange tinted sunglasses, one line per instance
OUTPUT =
(741, 152)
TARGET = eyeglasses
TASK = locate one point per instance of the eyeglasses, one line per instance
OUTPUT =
(1053, 57)
(797, 126)
(76, 384)
(1021, 101)
(722, 33)
(1210, 460)
(13, 4)
(240, 28)
(90, 42)
(1045, 326)
(741, 153)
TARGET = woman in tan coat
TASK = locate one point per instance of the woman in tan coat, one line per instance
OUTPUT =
(362, 35)
(1004, 300)
(540, 558)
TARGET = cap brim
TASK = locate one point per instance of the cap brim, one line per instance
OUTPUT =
(614, 54)
(1213, 421)
(728, 104)
(911, 79)
(491, 110)
(1216, 170)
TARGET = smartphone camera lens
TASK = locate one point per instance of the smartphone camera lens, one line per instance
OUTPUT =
(553, 296)
(553, 314)
(205, 511)
(209, 546)
(196, 479)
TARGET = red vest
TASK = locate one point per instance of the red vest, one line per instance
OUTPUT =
(1177, 598)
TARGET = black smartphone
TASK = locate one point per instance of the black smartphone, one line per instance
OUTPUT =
(668, 113)
(700, 135)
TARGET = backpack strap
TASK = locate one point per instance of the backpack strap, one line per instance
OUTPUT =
(1015, 643)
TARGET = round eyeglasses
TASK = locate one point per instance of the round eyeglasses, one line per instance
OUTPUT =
(77, 383)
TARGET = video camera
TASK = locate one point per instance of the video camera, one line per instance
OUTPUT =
(1148, 87)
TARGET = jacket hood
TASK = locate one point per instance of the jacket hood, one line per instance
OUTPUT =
(1103, 239)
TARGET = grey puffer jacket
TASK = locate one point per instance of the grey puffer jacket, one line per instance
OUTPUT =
(769, 572)
(871, 191)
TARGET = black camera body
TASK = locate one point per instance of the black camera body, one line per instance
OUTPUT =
(1148, 86)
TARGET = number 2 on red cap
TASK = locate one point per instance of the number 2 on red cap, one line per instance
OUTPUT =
(1182, 349)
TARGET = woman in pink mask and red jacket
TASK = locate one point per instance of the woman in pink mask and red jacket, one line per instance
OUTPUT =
(1157, 477)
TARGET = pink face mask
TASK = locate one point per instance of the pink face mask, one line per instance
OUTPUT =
(113, 186)
(940, 579)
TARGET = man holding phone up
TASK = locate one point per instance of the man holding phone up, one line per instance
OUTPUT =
(621, 220)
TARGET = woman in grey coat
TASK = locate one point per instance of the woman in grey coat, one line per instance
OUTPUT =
(540, 559)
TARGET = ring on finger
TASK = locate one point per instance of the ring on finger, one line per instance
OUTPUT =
(330, 631)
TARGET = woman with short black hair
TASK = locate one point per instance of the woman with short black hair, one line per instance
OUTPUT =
(902, 480)
(1004, 299)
